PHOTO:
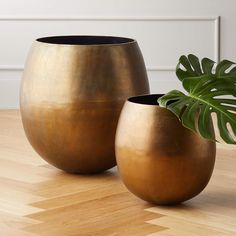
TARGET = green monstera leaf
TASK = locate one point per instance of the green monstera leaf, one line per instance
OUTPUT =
(209, 89)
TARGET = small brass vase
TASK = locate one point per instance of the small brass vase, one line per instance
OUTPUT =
(72, 92)
(159, 160)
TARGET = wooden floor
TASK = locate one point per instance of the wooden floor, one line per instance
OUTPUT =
(38, 199)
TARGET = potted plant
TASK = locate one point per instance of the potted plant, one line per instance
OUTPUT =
(165, 150)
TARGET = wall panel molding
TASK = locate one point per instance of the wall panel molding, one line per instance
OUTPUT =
(215, 19)
(109, 18)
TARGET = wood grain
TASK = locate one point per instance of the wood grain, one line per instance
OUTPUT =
(38, 199)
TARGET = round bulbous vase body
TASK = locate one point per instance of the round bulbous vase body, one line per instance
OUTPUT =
(72, 92)
(158, 159)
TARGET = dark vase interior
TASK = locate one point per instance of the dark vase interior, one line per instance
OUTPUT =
(85, 40)
(146, 99)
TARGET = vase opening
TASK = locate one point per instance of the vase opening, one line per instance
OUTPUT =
(146, 99)
(85, 40)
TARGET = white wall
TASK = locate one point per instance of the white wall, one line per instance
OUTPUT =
(165, 29)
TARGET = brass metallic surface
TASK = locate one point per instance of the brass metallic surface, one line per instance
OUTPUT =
(72, 92)
(158, 159)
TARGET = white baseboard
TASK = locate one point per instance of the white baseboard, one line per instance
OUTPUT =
(9, 93)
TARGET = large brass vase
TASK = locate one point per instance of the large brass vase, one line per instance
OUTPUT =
(158, 159)
(72, 92)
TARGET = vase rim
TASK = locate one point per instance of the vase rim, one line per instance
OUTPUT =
(145, 99)
(86, 40)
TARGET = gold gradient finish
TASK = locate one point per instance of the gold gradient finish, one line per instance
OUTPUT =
(72, 92)
(158, 159)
